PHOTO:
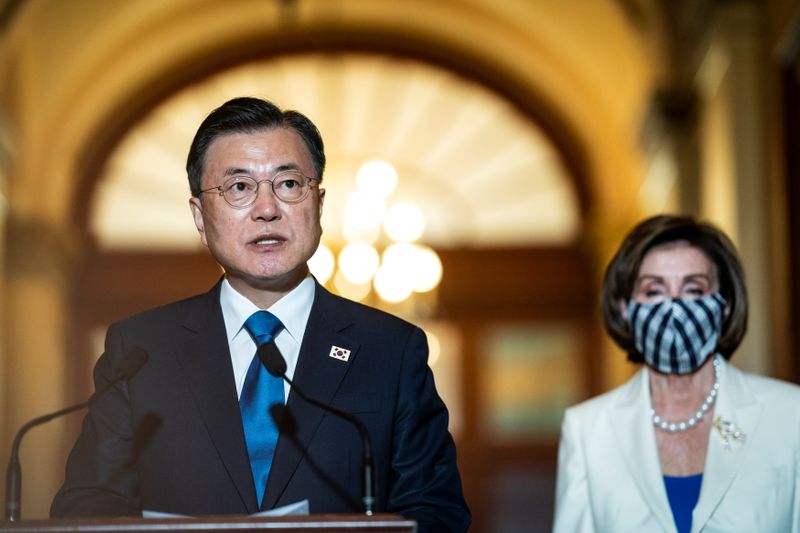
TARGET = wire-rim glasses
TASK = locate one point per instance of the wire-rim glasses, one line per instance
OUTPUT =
(289, 186)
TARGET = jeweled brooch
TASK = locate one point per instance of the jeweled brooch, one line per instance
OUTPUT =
(728, 432)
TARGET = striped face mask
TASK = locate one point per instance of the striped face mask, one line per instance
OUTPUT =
(676, 336)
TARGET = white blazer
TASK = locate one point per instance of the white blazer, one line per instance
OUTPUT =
(609, 475)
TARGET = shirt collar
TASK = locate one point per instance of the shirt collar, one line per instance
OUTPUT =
(292, 309)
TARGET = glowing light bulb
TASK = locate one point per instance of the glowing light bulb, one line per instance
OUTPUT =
(391, 286)
(364, 211)
(404, 222)
(358, 262)
(427, 269)
(377, 177)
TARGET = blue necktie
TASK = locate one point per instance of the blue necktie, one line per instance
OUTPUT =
(259, 392)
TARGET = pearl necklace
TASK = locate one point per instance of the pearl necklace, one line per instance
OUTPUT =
(675, 427)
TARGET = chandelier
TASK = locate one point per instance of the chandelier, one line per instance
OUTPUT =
(382, 253)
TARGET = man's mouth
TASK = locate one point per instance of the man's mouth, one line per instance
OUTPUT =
(267, 241)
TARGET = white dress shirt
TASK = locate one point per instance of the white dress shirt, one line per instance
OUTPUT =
(292, 310)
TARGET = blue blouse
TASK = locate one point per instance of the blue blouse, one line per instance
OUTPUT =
(682, 493)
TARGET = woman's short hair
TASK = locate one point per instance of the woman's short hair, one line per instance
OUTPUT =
(623, 270)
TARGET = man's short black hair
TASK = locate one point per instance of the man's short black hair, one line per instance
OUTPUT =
(250, 115)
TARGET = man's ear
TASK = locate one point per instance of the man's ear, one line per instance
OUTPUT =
(321, 201)
(197, 213)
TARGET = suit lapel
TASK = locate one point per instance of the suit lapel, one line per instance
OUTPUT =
(630, 421)
(204, 357)
(319, 376)
(736, 404)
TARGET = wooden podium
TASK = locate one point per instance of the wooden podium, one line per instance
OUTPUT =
(217, 524)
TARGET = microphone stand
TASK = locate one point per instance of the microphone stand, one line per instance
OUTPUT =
(14, 471)
(368, 464)
(276, 365)
(131, 362)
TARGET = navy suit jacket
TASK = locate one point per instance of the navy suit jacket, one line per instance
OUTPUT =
(171, 438)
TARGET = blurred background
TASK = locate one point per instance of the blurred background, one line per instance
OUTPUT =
(515, 142)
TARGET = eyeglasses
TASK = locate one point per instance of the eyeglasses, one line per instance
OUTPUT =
(289, 186)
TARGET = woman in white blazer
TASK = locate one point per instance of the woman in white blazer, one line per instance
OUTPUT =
(690, 443)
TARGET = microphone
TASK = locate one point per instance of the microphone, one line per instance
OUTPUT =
(129, 365)
(273, 360)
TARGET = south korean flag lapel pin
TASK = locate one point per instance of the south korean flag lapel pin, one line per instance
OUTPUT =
(342, 354)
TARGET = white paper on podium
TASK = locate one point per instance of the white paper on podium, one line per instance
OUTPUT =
(293, 509)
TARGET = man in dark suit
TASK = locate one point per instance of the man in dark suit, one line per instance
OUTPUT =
(172, 438)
